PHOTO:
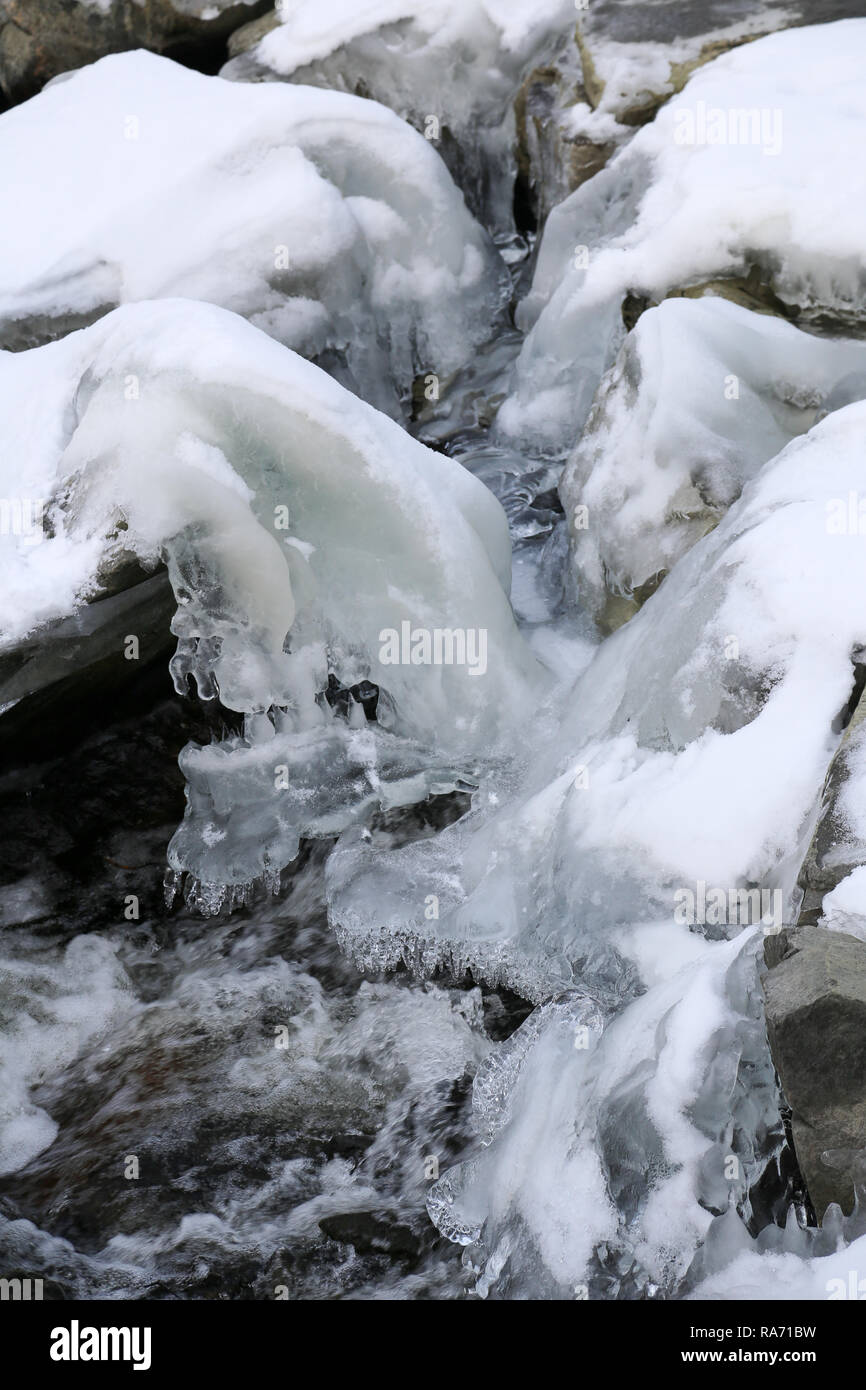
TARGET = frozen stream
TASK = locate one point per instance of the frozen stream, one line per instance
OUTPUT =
(331, 974)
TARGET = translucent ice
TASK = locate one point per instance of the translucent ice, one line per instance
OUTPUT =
(693, 704)
(606, 1140)
(306, 537)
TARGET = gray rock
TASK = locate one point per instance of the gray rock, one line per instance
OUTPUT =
(40, 39)
(815, 993)
(70, 663)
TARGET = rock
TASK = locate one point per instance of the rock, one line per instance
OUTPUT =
(368, 1233)
(656, 220)
(52, 676)
(248, 35)
(39, 39)
(551, 161)
(836, 848)
(815, 993)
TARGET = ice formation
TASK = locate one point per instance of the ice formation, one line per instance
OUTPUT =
(423, 60)
(702, 394)
(745, 173)
(605, 1140)
(320, 217)
(692, 701)
(725, 694)
(301, 531)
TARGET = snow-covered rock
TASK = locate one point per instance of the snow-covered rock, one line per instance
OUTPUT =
(702, 394)
(424, 61)
(320, 217)
(610, 73)
(745, 177)
(636, 57)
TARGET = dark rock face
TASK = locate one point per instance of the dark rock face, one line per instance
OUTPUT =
(81, 661)
(835, 850)
(815, 994)
(40, 39)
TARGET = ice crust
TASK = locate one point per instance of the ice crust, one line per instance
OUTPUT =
(693, 702)
(603, 1160)
(320, 217)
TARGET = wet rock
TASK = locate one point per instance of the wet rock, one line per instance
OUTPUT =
(39, 39)
(551, 161)
(815, 992)
(342, 698)
(251, 33)
(367, 1233)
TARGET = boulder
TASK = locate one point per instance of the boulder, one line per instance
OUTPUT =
(815, 993)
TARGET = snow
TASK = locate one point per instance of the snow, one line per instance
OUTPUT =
(309, 32)
(703, 192)
(844, 907)
(319, 216)
(777, 1277)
